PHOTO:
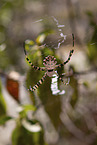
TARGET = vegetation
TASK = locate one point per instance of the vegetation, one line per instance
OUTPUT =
(42, 117)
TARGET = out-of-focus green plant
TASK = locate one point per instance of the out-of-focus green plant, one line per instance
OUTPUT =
(4, 59)
(74, 96)
(4, 119)
(92, 44)
(8, 43)
(2, 102)
(27, 131)
(3, 108)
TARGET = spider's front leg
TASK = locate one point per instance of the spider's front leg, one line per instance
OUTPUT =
(62, 64)
(38, 84)
(70, 54)
(35, 67)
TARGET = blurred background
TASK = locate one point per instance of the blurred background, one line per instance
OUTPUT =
(55, 114)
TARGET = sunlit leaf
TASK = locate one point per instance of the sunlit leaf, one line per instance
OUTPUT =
(24, 109)
(40, 39)
(28, 44)
(29, 107)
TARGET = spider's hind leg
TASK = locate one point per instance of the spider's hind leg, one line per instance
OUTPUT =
(32, 89)
(65, 83)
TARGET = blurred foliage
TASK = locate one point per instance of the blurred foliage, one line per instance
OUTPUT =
(2, 102)
(4, 119)
(27, 131)
(74, 96)
(8, 43)
(14, 17)
(3, 108)
(4, 60)
(25, 109)
(36, 53)
(52, 103)
(42, 36)
(22, 136)
(92, 44)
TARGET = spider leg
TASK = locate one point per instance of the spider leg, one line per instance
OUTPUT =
(62, 64)
(38, 84)
(70, 54)
(35, 67)
(65, 83)
(73, 39)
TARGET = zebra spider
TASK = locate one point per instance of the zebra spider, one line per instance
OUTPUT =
(50, 65)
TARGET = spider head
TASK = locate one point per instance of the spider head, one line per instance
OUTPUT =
(49, 62)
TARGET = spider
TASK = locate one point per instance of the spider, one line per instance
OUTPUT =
(50, 65)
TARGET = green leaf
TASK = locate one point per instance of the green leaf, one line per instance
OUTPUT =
(89, 13)
(86, 84)
(92, 53)
(52, 103)
(4, 119)
(28, 44)
(40, 39)
(74, 96)
(24, 110)
(21, 136)
(2, 102)
(15, 135)
(28, 108)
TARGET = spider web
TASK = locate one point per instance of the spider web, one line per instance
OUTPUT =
(60, 39)
(60, 35)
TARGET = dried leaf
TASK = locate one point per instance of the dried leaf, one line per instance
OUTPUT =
(13, 88)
